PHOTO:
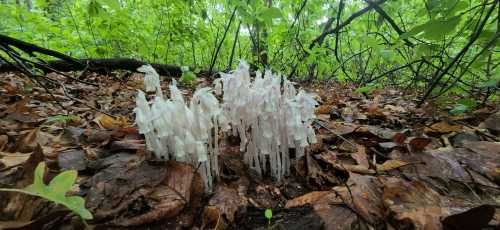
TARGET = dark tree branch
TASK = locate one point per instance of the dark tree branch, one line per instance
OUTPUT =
(319, 40)
(337, 37)
(389, 20)
(31, 49)
(440, 74)
(234, 46)
(214, 59)
(302, 6)
(392, 71)
(103, 65)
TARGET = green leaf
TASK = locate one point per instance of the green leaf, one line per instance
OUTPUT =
(63, 182)
(437, 29)
(38, 177)
(188, 77)
(413, 32)
(268, 213)
(268, 14)
(94, 8)
(113, 4)
(459, 108)
(470, 103)
(62, 118)
(272, 12)
(365, 89)
(434, 29)
(489, 84)
(56, 190)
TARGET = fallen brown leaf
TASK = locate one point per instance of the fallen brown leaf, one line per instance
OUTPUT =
(323, 109)
(413, 204)
(227, 200)
(442, 127)
(107, 122)
(419, 143)
(390, 165)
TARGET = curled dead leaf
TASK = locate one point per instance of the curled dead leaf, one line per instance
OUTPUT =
(399, 138)
(413, 205)
(227, 200)
(322, 109)
(313, 198)
(419, 143)
(442, 127)
(390, 165)
(107, 122)
(9, 160)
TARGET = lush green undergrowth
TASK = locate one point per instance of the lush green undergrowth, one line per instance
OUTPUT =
(436, 46)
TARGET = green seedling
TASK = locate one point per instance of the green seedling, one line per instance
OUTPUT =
(56, 190)
(269, 215)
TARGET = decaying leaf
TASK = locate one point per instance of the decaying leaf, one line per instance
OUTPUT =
(180, 188)
(227, 201)
(329, 207)
(473, 219)
(442, 127)
(493, 122)
(312, 198)
(107, 122)
(323, 109)
(419, 143)
(8, 160)
(364, 194)
(399, 138)
(413, 204)
(390, 165)
(361, 157)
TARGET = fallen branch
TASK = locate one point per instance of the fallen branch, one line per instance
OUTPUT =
(67, 63)
(102, 65)
(32, 48)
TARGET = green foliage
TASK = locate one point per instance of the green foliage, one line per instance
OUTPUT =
(56, 190)
(188, 76)
(368, 89)
(62, 118)
(279, 34)
(463, 105)
(459, 108)
(268, 213)
(59, 119)
(434, 29)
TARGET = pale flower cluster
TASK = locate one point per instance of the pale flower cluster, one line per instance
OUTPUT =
(176, 130)
(267, 113)
(269, 116)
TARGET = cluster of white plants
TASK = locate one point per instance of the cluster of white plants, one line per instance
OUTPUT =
(269, 116)
(177, 131)
(267, 113)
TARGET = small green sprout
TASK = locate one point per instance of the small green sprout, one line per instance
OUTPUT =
(268, 214)
(188, 76)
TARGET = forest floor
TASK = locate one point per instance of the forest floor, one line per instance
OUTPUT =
(380, 162)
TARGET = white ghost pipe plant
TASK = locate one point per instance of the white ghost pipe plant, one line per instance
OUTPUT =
(269, 116)
(151, 79)
(175, 131)
(267, 113)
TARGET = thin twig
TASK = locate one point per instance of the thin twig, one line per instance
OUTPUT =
(319, 122)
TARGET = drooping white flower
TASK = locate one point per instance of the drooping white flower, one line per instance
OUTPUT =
(174, 130)
(151, 79)
(267, 113)
(269, 116)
